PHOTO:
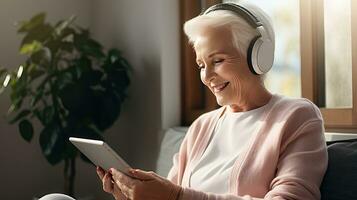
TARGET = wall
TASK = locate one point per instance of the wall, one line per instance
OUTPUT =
(148, 35)
(147, 32)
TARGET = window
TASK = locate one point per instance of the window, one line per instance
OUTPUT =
(329, 67)
(338, 65)
(315, 58)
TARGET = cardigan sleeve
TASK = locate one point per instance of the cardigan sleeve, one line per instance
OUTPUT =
(179, 162)
(300, 169)
(302, 164)
(173, 174)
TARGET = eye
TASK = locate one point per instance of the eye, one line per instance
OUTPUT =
(217, 61)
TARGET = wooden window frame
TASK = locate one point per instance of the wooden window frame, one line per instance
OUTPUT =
(197, 99)
(312, 65)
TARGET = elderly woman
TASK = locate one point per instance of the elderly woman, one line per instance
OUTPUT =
(258, 145)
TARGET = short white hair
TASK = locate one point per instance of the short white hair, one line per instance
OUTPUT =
(242, 32)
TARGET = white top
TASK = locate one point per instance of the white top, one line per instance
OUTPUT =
(232, 133)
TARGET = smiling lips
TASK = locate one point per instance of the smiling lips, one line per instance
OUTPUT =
(219, 87)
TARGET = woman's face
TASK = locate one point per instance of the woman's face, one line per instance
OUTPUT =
(222, 68)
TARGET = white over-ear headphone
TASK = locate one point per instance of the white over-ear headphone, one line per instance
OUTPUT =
(260, 55)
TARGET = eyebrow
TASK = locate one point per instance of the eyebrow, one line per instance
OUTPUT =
(216, 52)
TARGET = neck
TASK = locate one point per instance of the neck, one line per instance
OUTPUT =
(252, 100)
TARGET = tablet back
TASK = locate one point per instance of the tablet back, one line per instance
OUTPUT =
(100, 154)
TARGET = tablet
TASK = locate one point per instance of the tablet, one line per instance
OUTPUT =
(100, 154)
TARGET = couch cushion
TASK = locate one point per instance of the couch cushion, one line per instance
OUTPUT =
(169, 146)
(340, 181)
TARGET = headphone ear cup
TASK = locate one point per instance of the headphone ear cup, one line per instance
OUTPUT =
(265, 56)
(260, 55)
(250, 55)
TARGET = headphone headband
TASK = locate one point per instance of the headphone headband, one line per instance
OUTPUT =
(237, 9)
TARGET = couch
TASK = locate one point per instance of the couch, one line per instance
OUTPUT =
(340, 180)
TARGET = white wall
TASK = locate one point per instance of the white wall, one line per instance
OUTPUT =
(170, 60)
(147, 32)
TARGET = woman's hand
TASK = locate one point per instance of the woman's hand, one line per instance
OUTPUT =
(108, 184)
(145, 185)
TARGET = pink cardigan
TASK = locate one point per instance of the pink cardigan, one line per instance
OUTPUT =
(286, 158)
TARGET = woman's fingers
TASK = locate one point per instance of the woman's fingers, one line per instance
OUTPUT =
(106, 179)
(125, 183)
(117, 193)
(143, 175)
(124, 189)
(142, 185)
(108, 185)
(100, 172)
(121, 177)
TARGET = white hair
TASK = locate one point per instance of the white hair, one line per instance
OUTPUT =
(242, 32)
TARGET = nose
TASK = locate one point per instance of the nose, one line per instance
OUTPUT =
(208, 74)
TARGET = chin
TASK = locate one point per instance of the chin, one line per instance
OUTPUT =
(221, 102)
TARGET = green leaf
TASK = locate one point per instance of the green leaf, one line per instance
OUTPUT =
(82, 65)
(124, 65)
(88, 46)
(36, 98)
(113, 55)
(31, 48)
(48, 114)
(67, 46)
(44, 82)
(64, 79)
(26, 130)
(42, 57)
(40, 33)
(67, 35)
(19, 116)
(119, 79)
(107, 111)
(52, 142)
(17, 96)
(19, 90)
(91, 78)
(62, 25)
(34, 74)
(77, 99)
(35, 21)
(38, 114)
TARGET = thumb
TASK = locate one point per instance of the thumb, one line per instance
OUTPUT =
(143, 175)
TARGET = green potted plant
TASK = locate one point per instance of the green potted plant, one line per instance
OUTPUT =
(69, 84)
